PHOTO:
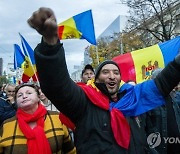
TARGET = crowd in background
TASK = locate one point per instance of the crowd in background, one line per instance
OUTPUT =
(141, 118)
(161, 121)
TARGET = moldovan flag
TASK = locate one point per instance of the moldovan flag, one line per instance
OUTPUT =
(139, 65)
(80, 26)
(19, 57)
(30, 65)
(19, 60)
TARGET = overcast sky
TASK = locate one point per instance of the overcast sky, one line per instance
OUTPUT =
(14, 15)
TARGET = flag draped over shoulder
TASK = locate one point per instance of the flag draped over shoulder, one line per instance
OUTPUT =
(26, 61)
(139, 65)
(80, 26)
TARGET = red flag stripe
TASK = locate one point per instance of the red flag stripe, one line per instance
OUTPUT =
(127, 69)
(60, 31)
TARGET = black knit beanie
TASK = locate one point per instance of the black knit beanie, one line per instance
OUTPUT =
(103, 64)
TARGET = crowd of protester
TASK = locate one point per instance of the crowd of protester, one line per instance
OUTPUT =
(107, 117)
(163, 120)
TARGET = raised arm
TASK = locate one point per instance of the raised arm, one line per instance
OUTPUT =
(53, 74)
(44, 21)
(169, 77)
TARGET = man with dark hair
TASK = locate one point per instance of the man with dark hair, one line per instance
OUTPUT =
(98, 109)
(87, 73)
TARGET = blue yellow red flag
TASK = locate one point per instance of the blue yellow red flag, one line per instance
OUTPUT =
(19, 61)
(30, 70)
(80, 26)
(138, 65)
(19, 57)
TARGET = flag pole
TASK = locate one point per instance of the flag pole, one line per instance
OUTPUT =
(121, 45)
(15, 62)
(97, 55)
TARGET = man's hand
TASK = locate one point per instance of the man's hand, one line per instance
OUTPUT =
(44, 22)
(10, 99)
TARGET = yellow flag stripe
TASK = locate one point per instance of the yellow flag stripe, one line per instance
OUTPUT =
(146, 60)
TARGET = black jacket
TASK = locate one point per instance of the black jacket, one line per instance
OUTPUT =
(93, 131)
(7, 110)
(164, 120)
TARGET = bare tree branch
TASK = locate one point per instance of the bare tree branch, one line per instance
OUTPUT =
(157, 17)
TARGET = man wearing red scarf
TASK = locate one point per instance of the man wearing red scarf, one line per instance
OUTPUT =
(97, 110)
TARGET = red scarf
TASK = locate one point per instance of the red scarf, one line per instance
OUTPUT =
(36, 140)
(119, 124)
(66, 121)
